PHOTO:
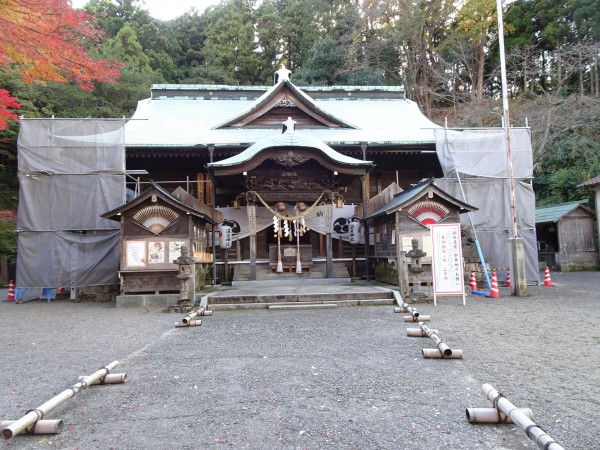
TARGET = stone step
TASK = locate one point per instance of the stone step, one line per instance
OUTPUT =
(264, 272)
(303, 305)
(299, 298)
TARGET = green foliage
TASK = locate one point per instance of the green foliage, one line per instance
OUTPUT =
(8, 240)
(230, 43)
(434, 48)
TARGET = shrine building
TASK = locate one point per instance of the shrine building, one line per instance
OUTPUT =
(288, 167)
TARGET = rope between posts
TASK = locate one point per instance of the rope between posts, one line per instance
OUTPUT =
(494, 269)
(292, 218)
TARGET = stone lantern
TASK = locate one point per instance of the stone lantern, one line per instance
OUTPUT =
(186, 275)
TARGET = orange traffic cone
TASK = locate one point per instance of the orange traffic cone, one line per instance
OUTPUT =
(11, 291)
(508, 279)
(547, 280)
(494, 293)
(473, 281)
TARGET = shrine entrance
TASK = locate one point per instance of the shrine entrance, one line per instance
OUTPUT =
(288, 184)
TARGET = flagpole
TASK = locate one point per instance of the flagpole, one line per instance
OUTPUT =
(518, 254)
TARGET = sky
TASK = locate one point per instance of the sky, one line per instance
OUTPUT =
(165, 9)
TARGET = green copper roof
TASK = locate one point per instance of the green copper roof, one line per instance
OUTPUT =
(553, 213)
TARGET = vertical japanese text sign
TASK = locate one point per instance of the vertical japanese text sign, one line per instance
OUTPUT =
(447, 260)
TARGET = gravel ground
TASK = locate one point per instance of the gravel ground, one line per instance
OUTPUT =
(314, 379)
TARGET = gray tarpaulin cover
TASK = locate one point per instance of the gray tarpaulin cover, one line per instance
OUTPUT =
(70, 172)
(479, 158)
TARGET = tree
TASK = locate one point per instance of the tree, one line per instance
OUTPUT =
(46, 40)
(230, 41)
(475, 22)
(190, 33)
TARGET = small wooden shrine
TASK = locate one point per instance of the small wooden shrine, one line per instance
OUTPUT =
(154, 227)
(565, 234)
(404, 216)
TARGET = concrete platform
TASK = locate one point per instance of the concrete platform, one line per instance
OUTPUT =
(146, 300)
(264, 294)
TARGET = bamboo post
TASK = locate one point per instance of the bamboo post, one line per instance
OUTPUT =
(191, 323)
(434, 353)
(413, 312)
(404, 307)
(111, 378)
(443, 350)
(533, 431)
(37, 414)
(40, 427)
(199, 312)
(419, 318)
(417, 332)
(493, 415)
(401, 305)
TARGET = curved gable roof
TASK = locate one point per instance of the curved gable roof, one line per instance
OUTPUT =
(286, 94)
(332, 158)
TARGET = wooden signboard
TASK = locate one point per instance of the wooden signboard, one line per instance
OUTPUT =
(447, 261)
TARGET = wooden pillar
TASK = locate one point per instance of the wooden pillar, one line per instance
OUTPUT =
(354, 261)
(329, 230)
(597, 190)
(251, 209)
(226, 264)
(401, 266)
(365, 199)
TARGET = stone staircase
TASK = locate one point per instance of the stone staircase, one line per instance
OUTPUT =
(282, 294)
(241, 273)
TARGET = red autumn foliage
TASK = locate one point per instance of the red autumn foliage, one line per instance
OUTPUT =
(45, 40)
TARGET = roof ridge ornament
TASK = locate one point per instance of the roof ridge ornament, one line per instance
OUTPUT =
(289, 126)
(283, 74)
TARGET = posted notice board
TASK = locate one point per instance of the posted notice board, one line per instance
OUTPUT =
(446, 261)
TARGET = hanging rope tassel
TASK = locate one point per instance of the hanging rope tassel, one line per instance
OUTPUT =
(279, 263)
(277, 229)
(298, 263)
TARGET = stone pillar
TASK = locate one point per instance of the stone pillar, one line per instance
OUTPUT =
(186, 275)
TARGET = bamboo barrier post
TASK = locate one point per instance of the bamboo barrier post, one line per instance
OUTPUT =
(442, 351)
(417, 332)
(436, 353)
(40, 427)
(111, 378)
(534, 432)
(419, 318)
(191, 323)
(199, 312)
(493, 415)
(402, 306)
(37, 414)
(191, 315)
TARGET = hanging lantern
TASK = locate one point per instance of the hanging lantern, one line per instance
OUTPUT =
(355, 230)
(281, 207)
(225, 236)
